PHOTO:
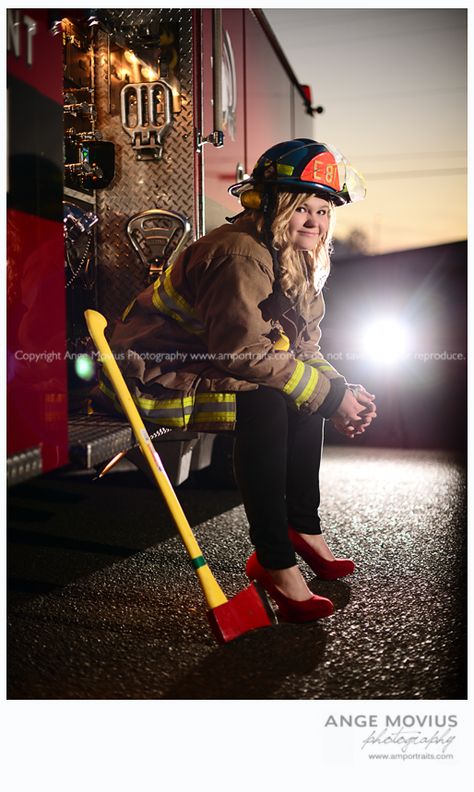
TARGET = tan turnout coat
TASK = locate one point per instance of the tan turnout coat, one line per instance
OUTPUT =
(200, 333)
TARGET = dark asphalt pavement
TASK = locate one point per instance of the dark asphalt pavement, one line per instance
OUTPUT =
(103, 603)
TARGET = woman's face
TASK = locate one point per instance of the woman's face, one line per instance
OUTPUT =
(309, 223)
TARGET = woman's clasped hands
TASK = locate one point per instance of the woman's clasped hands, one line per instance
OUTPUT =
(356, 411)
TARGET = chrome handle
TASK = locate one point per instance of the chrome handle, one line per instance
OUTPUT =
(216, 137)
(240, 174)
(217, 72)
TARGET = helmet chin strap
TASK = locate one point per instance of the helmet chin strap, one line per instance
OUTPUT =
(236, 217)
(268, 209)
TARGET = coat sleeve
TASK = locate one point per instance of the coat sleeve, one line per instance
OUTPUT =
(308, 348)
(228, 292)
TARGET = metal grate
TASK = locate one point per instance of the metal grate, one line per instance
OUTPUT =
(95, 438)
(98, 437)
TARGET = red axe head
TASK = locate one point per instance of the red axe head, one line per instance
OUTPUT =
(246, 611)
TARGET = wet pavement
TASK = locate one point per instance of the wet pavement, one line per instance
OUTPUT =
(103, 602)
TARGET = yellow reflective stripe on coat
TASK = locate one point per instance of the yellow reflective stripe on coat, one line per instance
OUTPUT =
(174, 413)
(216, 407)
(128, 309)
(302, 383)
(169, 302)
(171, 291)
(201, 408)
(169, 412)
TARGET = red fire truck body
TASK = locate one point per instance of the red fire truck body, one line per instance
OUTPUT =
(83, 162)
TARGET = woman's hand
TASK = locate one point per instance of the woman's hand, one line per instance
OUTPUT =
(356, 411)
(362, 395)
(368, 401)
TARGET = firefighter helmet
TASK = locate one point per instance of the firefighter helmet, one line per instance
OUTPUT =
(302, 165)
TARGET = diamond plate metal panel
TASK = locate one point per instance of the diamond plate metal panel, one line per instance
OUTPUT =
(137, 186)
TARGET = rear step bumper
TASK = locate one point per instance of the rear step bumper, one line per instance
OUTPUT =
(94, 439)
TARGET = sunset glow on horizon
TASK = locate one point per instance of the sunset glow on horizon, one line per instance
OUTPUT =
(392, 83)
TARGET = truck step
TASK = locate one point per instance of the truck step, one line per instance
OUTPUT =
(96, 438)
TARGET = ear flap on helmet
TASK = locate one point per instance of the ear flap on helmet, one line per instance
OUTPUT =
(251, 199)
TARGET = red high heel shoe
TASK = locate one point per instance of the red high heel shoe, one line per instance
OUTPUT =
(324, 569)
(289, 610)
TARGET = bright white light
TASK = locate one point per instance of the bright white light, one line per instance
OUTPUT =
(385, 341)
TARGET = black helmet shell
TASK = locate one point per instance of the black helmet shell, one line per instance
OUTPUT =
(304, 165)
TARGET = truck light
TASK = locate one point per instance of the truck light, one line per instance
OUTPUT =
(385, 341)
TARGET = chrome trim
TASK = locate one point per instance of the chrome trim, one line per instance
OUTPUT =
(147, 133)
(24, 465)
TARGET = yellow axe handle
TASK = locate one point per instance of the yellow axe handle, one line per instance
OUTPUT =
(212, 591)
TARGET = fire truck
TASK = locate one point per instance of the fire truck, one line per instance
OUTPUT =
(125, 127)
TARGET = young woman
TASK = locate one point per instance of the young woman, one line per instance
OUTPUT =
(228, 339)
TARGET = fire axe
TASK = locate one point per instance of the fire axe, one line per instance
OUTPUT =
(229, 618)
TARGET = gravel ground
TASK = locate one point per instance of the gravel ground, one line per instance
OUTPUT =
(103, 603)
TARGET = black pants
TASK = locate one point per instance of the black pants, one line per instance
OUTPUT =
(276, 457)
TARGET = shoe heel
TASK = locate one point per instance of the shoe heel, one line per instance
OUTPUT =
(324, 569)
(289, 610)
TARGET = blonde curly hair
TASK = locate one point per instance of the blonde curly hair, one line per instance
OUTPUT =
(299, 268)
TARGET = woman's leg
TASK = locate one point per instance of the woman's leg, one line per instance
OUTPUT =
(261, 470)
(305, 440)
(260, 459)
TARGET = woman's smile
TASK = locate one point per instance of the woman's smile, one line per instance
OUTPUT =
(309, 223)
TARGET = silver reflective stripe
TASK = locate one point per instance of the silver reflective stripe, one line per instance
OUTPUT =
(175, 310)
(175, 412)
(302, 383)
(165, 412)
(215, 406)
(299, 388)
(180, 412)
